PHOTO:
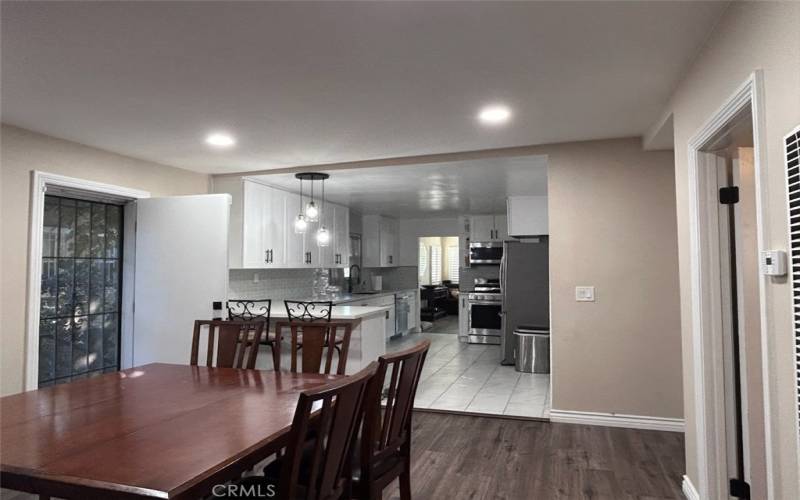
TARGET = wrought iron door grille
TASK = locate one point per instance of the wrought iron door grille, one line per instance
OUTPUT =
(79, 327)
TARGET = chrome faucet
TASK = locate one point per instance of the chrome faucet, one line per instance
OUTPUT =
(350, 278)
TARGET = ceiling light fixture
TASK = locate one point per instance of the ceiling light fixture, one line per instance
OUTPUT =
(220, 140)
(496, 114)
(311, 212)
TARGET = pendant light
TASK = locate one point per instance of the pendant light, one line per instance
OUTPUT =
(300, 224)
(312, 213)
(323, 235)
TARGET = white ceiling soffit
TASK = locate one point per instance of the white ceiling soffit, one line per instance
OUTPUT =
(429, 190)
(303, 83)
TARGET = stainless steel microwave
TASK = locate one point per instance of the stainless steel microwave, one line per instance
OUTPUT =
(485, 252)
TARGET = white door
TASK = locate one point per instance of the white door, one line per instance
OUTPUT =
(181, 269)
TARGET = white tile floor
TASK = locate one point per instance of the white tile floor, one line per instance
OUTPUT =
(469, 378)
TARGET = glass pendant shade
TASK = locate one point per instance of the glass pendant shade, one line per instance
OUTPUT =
(312, 212)
(300, 224)
(323, 237)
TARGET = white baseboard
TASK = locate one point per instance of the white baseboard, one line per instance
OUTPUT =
(689, 491)
(617, 420)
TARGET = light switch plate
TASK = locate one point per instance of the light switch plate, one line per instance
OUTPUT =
(584, 293)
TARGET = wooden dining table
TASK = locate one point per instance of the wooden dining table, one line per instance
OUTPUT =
(154, 431)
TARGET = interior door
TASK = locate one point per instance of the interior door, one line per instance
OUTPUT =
(181, 269)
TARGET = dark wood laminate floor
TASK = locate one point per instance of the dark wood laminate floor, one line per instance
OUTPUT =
(462, 457)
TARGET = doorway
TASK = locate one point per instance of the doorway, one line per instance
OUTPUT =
(81, 289)
(727, 291)
(438, 274)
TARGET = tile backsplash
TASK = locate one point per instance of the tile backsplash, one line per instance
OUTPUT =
(296, 283)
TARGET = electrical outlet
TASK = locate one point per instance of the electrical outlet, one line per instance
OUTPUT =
(584, 293)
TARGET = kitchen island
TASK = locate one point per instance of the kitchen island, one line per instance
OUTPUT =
(367, 341)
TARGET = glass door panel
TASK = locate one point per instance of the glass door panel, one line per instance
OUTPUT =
(80, 295)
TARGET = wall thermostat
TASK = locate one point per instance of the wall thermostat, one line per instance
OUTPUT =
(773, 263)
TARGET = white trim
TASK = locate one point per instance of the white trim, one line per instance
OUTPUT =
(706, 322)
(617, 420)
(689, 491)
(39, 183)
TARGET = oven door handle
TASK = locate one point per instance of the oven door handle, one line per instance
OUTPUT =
(486, 303)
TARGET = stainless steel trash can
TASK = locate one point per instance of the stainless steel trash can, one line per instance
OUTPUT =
(532, 349)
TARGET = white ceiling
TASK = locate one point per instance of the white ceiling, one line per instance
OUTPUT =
(430, 190)
(302, 83)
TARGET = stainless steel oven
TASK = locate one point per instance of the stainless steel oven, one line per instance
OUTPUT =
(484, 319)
(485, 252)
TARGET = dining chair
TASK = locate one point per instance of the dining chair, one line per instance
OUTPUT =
(297, 310)
(385, 449)
(231, 340)
(316, 337)
(257, 310)
(317, 464)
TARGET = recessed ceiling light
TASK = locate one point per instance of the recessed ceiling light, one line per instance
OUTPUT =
(495, 114)
(220, 140)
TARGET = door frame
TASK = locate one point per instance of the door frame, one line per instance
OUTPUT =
(40, 181)
(706, 295)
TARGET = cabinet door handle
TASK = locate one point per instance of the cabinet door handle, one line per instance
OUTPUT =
(271, 256)
(266, 256)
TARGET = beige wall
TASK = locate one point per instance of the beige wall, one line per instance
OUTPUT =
(22, 152)
(612, 226)
(750, 36)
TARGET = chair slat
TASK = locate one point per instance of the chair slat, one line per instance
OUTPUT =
(229, 340)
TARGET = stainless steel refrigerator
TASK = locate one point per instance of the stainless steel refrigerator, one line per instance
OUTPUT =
(525, 285)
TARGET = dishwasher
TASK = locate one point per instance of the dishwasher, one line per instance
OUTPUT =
(402, 311)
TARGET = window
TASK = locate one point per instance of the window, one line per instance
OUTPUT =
(436, 265)
(452, 263)
(81, 274)
(423, 270)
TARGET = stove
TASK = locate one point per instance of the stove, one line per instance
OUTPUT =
(484, 309)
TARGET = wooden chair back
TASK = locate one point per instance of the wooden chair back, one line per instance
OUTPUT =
(298, 310)
(318, 341)
(337, 408)
(235, 343)
(386, 432)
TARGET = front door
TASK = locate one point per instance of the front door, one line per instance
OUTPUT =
(79, 329)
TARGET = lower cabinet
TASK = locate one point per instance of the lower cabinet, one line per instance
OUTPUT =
(463, 318)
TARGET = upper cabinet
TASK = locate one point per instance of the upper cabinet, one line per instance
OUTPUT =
(379, 241)
(527, 216)
(262, 229)
(488, 228)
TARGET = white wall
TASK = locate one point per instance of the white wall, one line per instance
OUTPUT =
(750, 36)
(413, 229)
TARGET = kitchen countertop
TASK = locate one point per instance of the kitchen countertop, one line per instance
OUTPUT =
(342, 298)
(341, 312)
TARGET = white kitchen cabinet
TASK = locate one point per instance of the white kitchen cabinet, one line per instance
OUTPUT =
(253, 199)
(274, 228)
(341, 236)
(295, 243)
(488, 228)
(389, 315)
(262, 229)
(463, 318)
(527, 216)
(379, 241)
(325, 254)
